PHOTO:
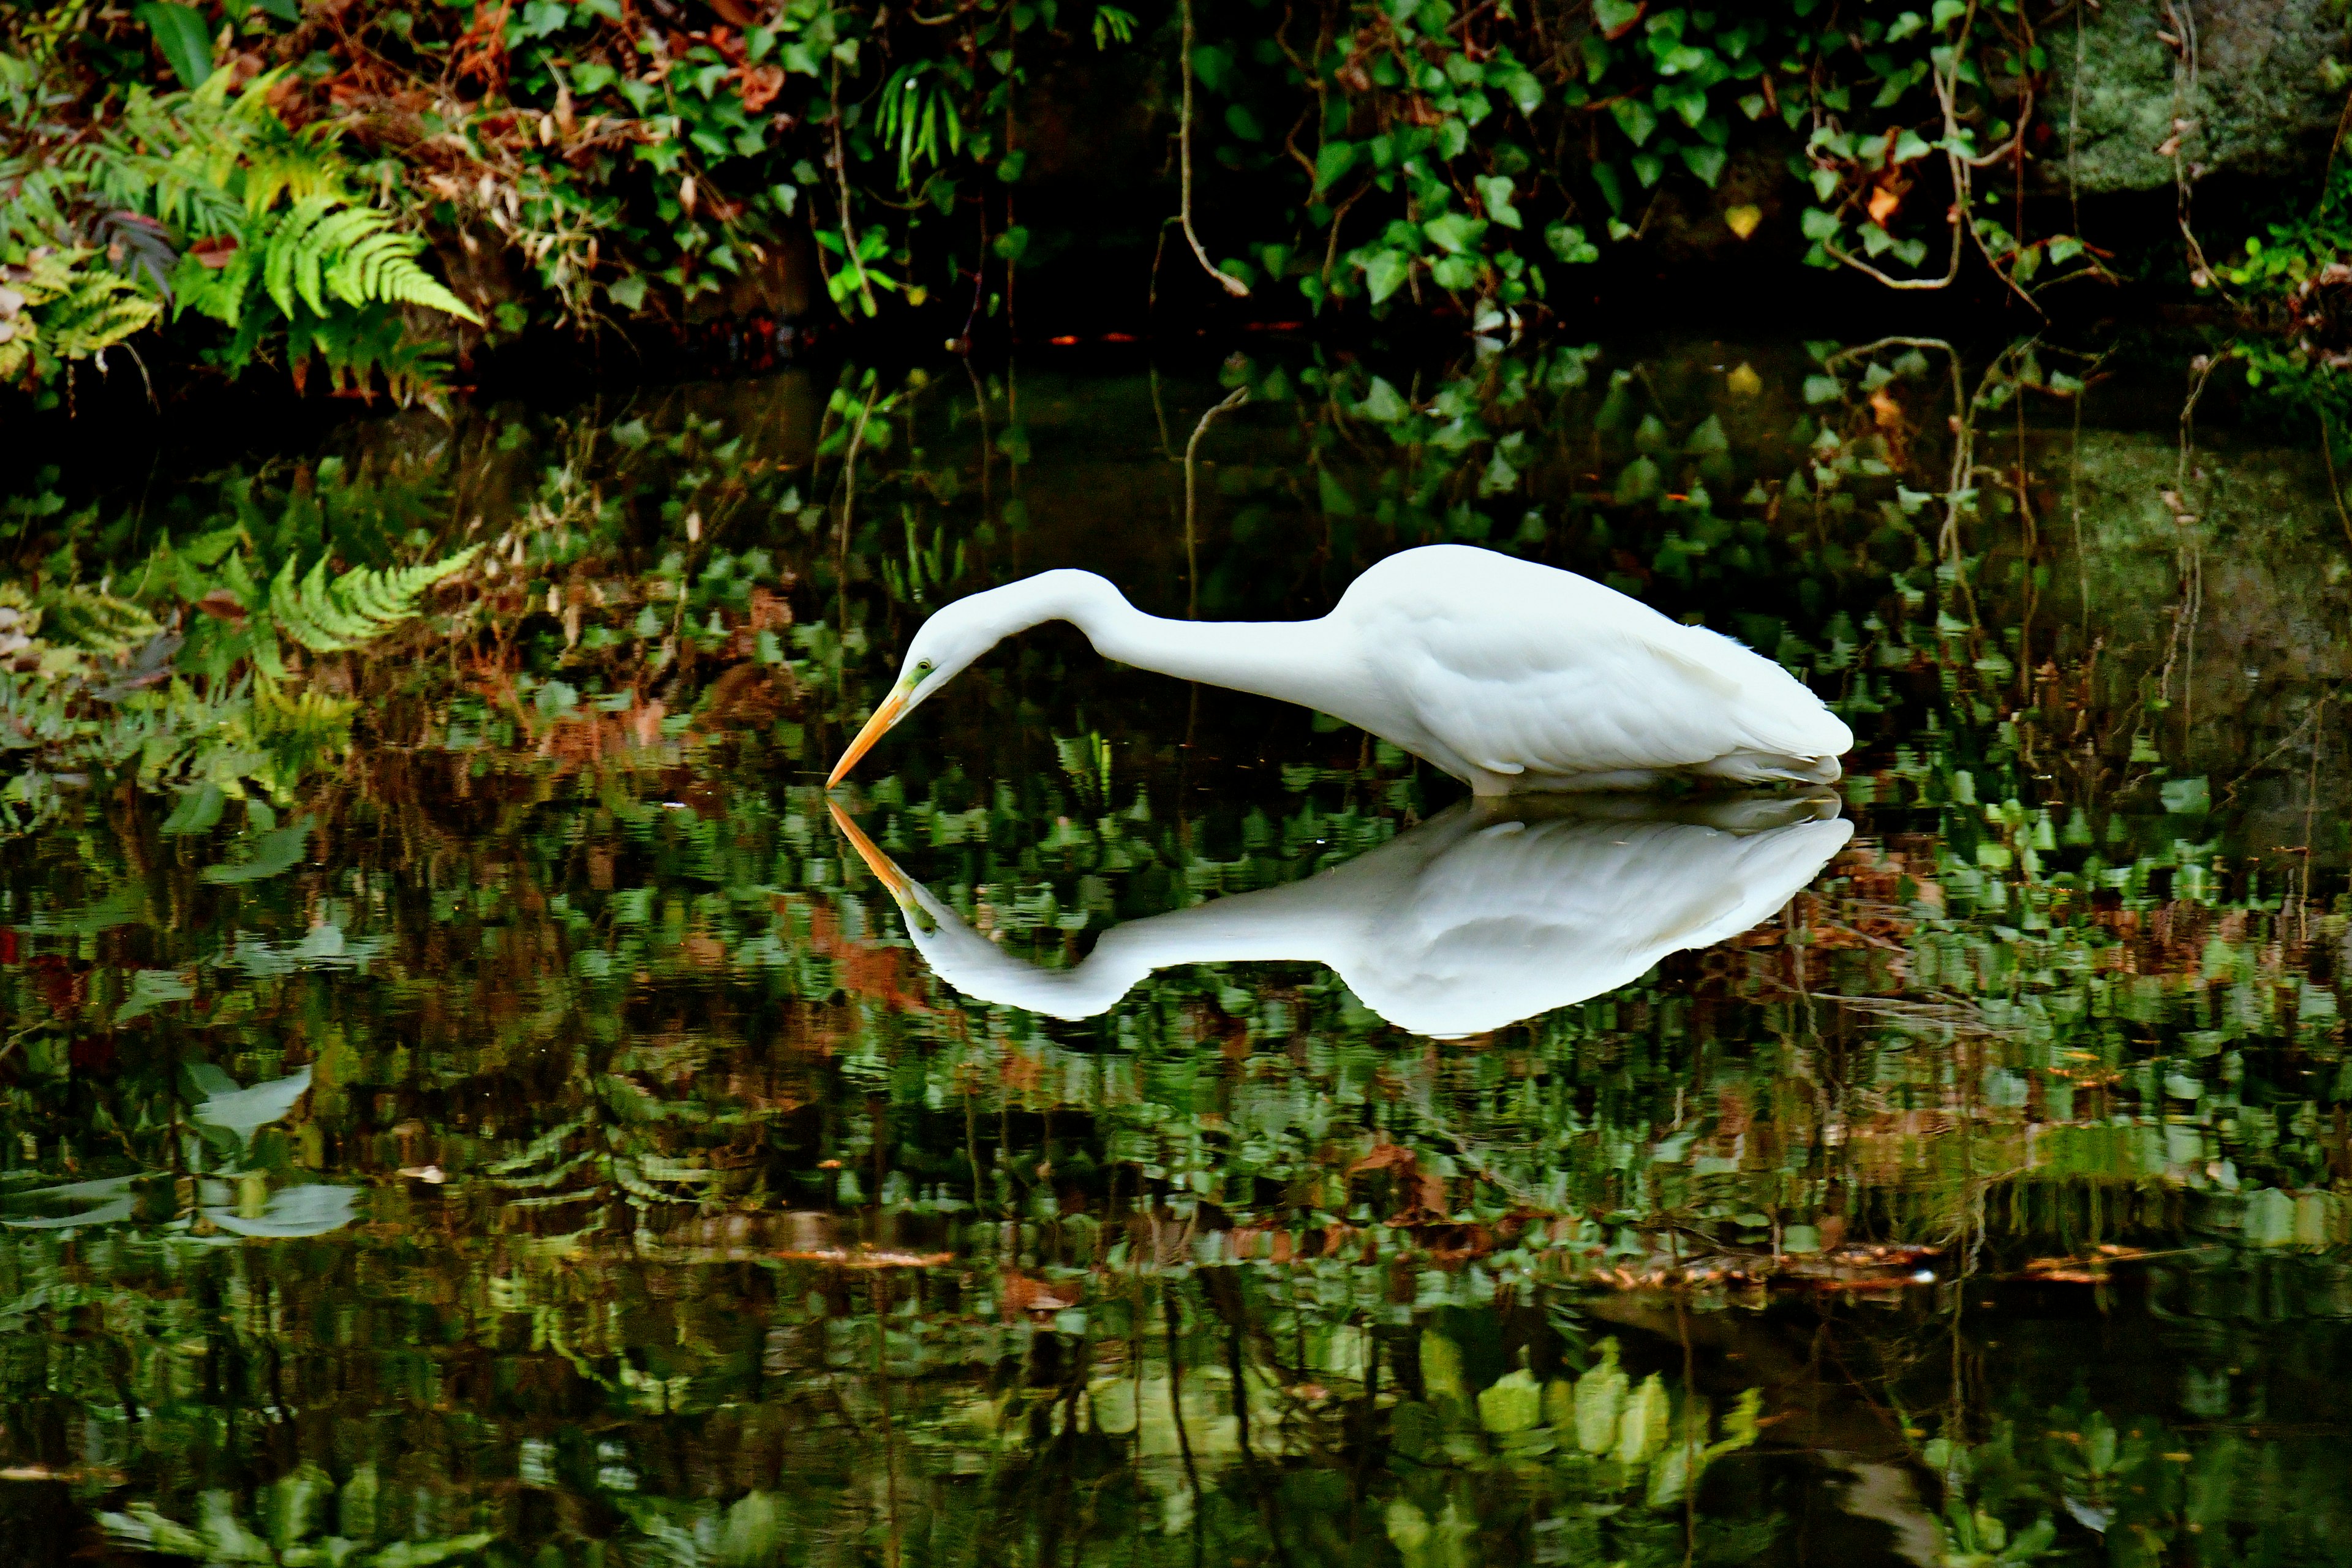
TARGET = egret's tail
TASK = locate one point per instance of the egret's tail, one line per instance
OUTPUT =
(1766, 767)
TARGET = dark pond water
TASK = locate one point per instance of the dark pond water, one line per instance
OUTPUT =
(467, 1102)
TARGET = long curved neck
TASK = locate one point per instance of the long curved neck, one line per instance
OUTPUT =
(1309, 662)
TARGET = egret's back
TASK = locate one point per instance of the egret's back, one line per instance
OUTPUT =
(1519, 670)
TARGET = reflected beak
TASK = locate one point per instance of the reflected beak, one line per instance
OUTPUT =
(893, 709)
(901, 886)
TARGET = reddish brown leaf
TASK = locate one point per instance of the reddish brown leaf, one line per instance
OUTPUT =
(760, 84)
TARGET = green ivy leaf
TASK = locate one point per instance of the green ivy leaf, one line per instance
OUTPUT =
(1615, 16)
(1635, 119)
(1385, 272)
(1213, 67)
(1453, 233)
(1818, 224)
(1454, 272)
(1567, 241)
(1335, 160)
(1612, 184)
(1334, 497)
(1705, 161)
(1518, 84)
(1495, 195)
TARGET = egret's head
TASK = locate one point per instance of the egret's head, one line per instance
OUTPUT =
(951, 639)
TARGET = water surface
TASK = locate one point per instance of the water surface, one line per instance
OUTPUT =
(528, 1134)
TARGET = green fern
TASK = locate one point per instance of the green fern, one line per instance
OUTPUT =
(66, 307)
(356, 253)
(96, 622)
(357, 607)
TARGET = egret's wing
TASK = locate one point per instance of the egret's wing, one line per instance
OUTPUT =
(1526, 917)
(1514, 667)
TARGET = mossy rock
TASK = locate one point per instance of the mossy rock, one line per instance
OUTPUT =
(2258, 102)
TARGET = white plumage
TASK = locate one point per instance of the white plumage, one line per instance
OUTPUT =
(1489, 912)
(1508, 675)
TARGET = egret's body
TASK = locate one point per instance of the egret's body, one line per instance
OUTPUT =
(1489, 912)
(1506, 674)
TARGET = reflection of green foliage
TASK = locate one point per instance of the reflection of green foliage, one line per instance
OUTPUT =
(1605, 1464)
(652, 1137)
(303, 1515)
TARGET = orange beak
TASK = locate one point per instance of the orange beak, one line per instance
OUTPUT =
(898, 881)
(894, 708)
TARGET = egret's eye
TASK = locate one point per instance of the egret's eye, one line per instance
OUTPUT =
(923, 667)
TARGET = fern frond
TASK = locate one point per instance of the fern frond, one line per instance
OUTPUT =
(320, 246)
(98, 622)
(284, 246)
(384, 266)
(326, 244)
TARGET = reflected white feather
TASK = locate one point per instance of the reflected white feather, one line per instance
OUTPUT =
(1487, 913)
(1509, 674)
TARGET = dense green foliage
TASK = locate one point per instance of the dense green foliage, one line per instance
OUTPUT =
(281, 172)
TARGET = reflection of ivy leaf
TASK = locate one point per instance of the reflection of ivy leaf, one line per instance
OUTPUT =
(244, 1110)
(150, 989)
(198, 811)
(2186, 798)
(1513, 1404)
(116, 1205)
(1383, 403)
(312, 1210)
(276, 852)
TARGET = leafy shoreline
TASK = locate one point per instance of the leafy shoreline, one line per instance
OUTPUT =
(373, 188)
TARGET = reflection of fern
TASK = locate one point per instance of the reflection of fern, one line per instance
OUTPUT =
(354, 609)
(301, 728)
(355, 253)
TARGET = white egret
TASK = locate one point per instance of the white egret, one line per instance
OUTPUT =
(1506, 674)
(1489, 912)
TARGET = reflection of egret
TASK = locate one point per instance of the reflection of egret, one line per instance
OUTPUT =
(1503, 673)
(1487, 913)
